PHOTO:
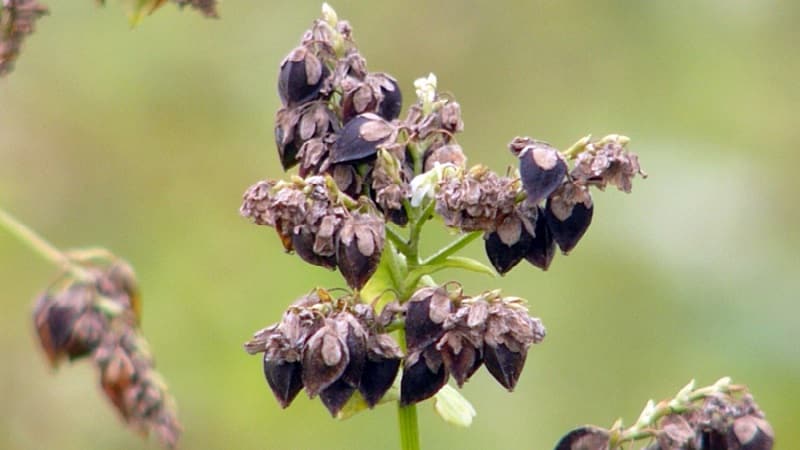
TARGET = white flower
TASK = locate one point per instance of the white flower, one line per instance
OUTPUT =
(426, 89)
(424, 185)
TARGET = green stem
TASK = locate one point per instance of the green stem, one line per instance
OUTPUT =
(407, 415)
(453, 247)
(40, 246)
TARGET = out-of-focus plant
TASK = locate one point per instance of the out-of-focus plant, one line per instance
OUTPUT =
(17, 19)
(92, 310)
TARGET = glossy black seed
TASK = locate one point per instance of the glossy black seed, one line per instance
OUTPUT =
(303, 244)
(462, 365)
(301, 77)
(360, 138)
(421, 331)
(504, 257)
(335, 396)
(504, 365)
(567, 232)
(542, 169)
(542, 248)
(377, 377)
(584, 438)
(420, 382)
(284, 378)
(392, 102)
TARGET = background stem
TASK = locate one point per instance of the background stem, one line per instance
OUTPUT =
(40, 246)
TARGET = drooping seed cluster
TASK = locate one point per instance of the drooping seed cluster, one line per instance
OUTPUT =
(448, 334)
(98, 319)
(332, 348)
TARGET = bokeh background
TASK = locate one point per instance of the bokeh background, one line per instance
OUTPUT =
(143, 141)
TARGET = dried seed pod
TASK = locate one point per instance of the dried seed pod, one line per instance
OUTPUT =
(377, 378)
(568, 224)
(325, 359)
(284, 378)
(607, 161)
(360, 138)
(444, 154)
(504, 365)
(676, 433)
(752, 433)
(462, 361)
(285, 123)
(301, 77)
(335, 396)
(378, 93)
(584, 438)
(67, 324)
(542, 248)
(303, 243)
(359, 248)
(542, 169)
(423, 376)
(507, 246)
(426, 304)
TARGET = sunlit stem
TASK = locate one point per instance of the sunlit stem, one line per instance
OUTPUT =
(40, 246)
(452, 248)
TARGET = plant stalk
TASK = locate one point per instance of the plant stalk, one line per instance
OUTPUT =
(40, 246)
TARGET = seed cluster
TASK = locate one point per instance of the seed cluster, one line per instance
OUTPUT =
(98, 319)
(333, 348)
(363, 173)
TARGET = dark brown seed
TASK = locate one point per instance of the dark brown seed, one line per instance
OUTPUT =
(377, 377)
(335, 396)
(420, 382)
(303, 244)
(301, 77)
(542, 248)
(462, 365)
(325, 358)
(421, 331)
(285, 140)
(568, 229)
(711, 439)
(504, 365)
(284, 378)
(542, 169)
(359, 248)
(360, 138)
(504, 257)
(584, 438)
(357, 349)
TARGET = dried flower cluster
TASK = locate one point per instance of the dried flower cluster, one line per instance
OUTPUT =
(448, 333)
(17, 20)
(332, 347)
(97, 318)
(711, 418)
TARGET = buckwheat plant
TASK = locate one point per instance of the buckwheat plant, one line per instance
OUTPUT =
(368, 183)
(92, 310)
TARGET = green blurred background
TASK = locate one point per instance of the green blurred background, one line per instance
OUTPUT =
(144, 140)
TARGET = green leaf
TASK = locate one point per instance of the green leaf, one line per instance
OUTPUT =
(453, 408)
(387, 279)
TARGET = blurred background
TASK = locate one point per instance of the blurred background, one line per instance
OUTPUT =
(143, 141)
